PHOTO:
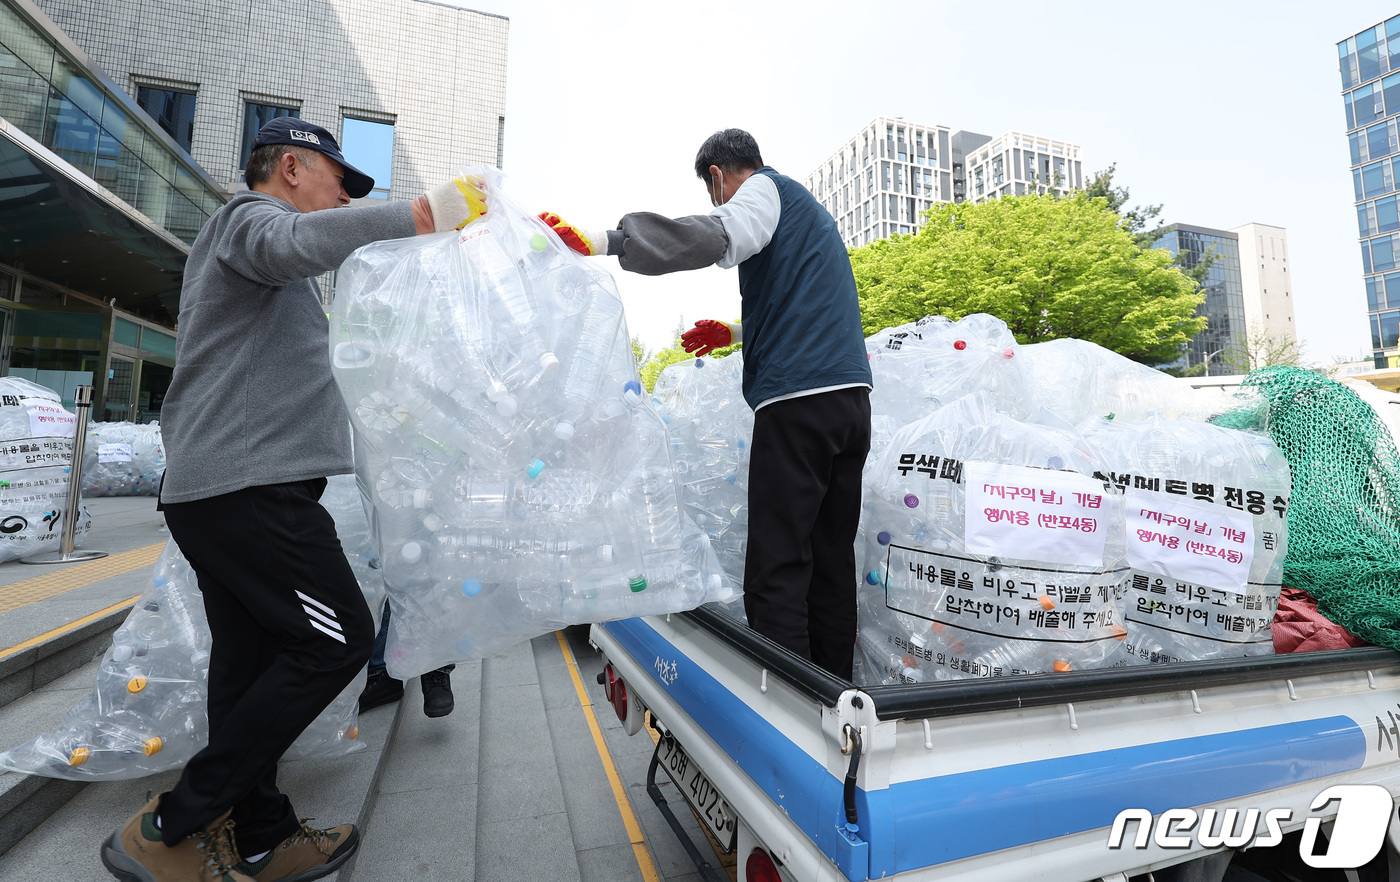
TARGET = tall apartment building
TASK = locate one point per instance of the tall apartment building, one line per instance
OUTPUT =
(1013, 164)
(881, 181)
(124, 126)
(1370, 69)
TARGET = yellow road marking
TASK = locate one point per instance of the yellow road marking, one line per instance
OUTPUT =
(624, 805)
(64, 629)
(27, 591)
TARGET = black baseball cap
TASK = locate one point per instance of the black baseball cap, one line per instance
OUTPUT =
(300, 133)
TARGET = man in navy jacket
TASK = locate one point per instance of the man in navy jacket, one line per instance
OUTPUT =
(805, 375)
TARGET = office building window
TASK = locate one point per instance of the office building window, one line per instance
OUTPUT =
(1380, 140)
(1390, 329)
(369, 147)
(255, 116)
(172, 109)
(1392, 291)
(1386, 217)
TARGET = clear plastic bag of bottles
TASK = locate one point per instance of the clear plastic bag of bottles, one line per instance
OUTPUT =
(1207, 535)
(123, 459)
(520, 478)
(1076, 380)
(988, 549)
(36, 450)
(711, 429)
(146, 713)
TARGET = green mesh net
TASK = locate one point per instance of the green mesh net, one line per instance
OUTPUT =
(1344, 513)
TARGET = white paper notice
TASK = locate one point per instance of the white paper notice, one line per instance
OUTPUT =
(49, 419)
(1194, 541)
(114, 453)
(1035, 514)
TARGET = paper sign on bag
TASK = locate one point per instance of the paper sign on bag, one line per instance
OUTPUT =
(1192, 541)
(1036, 514)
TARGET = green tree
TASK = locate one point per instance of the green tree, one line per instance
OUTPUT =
(640, 351)
(1135, 219)
(1143, 221)
(1048, 267)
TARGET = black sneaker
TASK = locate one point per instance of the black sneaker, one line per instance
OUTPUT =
(437, 693)
(381, 689)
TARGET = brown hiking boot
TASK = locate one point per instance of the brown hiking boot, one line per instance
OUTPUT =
(306, 854)
(135, 852)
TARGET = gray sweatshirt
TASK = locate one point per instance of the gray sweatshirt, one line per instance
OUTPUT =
(252, 401)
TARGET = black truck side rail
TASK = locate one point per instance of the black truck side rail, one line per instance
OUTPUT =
(954, 697)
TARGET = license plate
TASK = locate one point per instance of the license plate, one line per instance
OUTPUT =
(702, 796)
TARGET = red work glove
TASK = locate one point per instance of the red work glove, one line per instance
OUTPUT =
(587, 244)
(709, 335)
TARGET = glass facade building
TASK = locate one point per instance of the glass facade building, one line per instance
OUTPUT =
(1370, 68)
(1224, 306)
(99, 206)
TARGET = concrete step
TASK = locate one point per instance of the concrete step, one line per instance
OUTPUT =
(34, 666)
(27, 800)
(65, 845)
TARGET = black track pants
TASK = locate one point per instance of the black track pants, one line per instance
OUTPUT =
(290, 630)
(804, 507)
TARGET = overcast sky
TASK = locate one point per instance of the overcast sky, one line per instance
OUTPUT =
(1227, 112)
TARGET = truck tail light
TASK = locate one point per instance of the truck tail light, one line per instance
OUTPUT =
(760, 867)
(616, 692)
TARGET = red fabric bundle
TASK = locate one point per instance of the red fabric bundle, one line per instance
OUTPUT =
(1299, 627)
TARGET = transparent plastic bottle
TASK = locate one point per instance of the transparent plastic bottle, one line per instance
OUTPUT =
(586, 366)
(498, 274)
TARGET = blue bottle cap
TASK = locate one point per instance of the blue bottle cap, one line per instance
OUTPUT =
(471, 587)
(699, 362)
(1055, 462)
(883, 538)
(632, 386)
(535, 468)
(873, 577)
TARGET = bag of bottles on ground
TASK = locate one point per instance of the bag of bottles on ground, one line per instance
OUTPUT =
(146, 713)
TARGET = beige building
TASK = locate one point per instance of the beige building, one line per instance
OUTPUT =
(1265, 282)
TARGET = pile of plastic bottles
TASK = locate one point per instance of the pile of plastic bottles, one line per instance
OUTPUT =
(952, 393)
(520, 479)
(36, 450)
(123, 459)
(146, 712)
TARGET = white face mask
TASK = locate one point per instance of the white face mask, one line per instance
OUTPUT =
(717, 196)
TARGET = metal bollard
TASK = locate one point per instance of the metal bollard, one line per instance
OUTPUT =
(82, 403)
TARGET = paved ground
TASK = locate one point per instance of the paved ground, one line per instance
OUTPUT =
(512, 785)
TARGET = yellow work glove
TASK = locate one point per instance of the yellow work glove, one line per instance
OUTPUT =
(456, 203)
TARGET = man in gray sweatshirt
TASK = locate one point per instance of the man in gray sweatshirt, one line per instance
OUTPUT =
(252, 426)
